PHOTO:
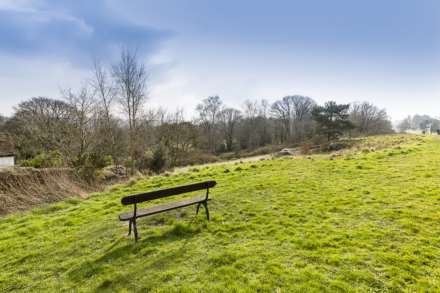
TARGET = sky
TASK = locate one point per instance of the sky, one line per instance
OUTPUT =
(385, 52)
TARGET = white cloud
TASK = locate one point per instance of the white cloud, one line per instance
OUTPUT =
(208, 56)
(18, 5)
(22, 78)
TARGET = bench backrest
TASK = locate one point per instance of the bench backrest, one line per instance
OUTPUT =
(141, 197)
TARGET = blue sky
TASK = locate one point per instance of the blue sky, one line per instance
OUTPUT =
(387, 52)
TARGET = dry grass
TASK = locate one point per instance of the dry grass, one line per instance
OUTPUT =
(24, 188)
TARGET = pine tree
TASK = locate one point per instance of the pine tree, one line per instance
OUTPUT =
(332, 119)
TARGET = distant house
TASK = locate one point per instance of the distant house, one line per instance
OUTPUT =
(414, 131)
(428, 128)
(7, 152)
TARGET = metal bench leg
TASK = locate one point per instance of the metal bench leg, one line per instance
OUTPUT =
(135, 230)
(205, 204)
(198, 207)
(129, 228)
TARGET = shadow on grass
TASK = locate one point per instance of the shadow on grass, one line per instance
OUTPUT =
(143, 248)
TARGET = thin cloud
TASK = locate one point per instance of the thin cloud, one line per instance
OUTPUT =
(28, 29)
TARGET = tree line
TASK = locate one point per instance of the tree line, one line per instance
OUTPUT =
(84, 128)
(419, 122)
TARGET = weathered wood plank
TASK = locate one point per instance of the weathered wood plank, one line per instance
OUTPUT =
(161, 208)
(138, 198)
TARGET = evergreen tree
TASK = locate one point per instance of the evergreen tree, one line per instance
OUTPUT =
(332, 119)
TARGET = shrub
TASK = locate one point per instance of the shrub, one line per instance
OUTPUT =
(96, 160)
(88, 173)
(108, 161)
(155, 160)
(144, 162)
(336, 146)
(129, 164)
(305, 148)
(159, 161)
(51, 159)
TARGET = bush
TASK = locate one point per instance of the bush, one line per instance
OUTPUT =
(108, 161)
(336, 146)
(159, 161)
(129, 163)
(90, 167)
(96, 160)
(51, 159)
(88, 173)
(221, 148)
(144, 162)
(155, 160)
(306, 148)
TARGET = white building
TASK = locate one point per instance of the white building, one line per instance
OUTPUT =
(7, 160)
(7, 156)
(428, 128)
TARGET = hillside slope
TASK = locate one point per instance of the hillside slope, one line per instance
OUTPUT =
(24, 188)
(359, 221)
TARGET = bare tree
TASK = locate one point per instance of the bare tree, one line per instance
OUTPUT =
(369, 119)
(294, 114)
(281, 111)
(254, 124)
(105, 93)
(3, 120)
(131, 78)
(208, 112)
(177, 135)
(302, 116)
(229, 119)
(264, 129)
(83, 106)
(264, 108)
(104, 89)
(405, 124)
(248, 135)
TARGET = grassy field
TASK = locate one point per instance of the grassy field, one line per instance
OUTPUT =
(361, 221)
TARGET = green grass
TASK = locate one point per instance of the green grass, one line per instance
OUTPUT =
(362, 221)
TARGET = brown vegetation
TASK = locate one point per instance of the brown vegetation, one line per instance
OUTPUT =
(23, 188)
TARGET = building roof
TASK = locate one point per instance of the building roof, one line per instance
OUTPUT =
(6, 146)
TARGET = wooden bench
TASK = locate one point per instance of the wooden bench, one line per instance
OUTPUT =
(142, 197)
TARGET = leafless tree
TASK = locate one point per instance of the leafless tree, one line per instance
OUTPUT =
(2, 122)
(405, 124)
(294, 114)
(104, 89)
(302, 118)
(131, 79)
(369, 119)
(105, 93)
(254, 124)
(177, 135)
(229, 119)
(83, 107)
(208, 113)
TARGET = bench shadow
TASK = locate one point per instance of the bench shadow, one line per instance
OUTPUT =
(145, 246)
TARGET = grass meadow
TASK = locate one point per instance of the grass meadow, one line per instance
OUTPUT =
(365, 220)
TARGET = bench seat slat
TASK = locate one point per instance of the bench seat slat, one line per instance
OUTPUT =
(138, 198)
(161, 208)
